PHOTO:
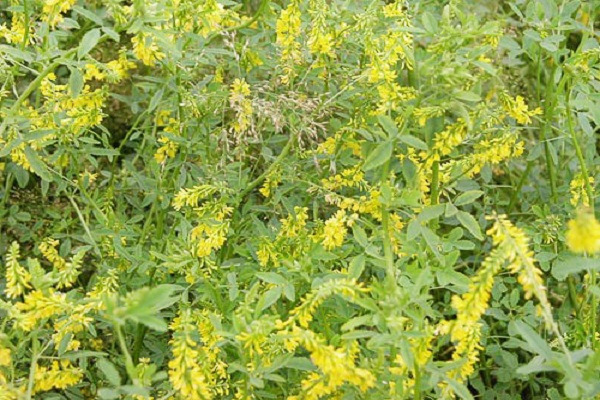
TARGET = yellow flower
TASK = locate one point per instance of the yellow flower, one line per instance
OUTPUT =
(17, 277)
(517, 109)
(145, 49)
(60, 375)
(336, 365)
(241, 104)
(583, 234)
(511, 247)
(335, 230)
(578, 190)
(92, 72)
(288, 30)
(5, 356)
(196, 370)
(37, 306)
(53, 10)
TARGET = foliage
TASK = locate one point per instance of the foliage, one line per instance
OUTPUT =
(268, 199)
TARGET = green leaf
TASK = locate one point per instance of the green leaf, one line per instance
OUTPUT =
(467, 197)
(269, 298)
(360, 235)
(75, 82)
(413, 142)
(357, 266)
(155, 323)
(429, 22)
(535, 341)
(573, 265)
(16, 53)
(467, 96)
(271, 277)
(470, 223)
(75, 355)
(110, 371)
(461, 390)
(431, 212)
(388, 125)
(379, 156)
(88, 42)
(108, 393)
(37, 165)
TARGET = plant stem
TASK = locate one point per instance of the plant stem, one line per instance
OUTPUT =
(129, 366)
(435, 182)
(284, 153)
(385, 226)
(548, 114)
(513, 198)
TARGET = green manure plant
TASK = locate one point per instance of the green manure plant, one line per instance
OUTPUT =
(299, 199)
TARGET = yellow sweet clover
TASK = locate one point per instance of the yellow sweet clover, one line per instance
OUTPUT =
(192, 196)
(168, 148)
(17, 278)
(288, 29)
(212, 15)
(241, 104)
(320, 40)
(336, 366)
(583, 233)
(271, 182)
(492, 151)
(145, 49)
(196, 370)
(511, 249)
(421, 351)
(303, 313)
(213, 219)
(75, 321)
(37, 306)
(18, 32)
(517, 109)
(292, 240)
(578, 189)
(60, 375)
(53, 10)
(424, 113)
(335, 230)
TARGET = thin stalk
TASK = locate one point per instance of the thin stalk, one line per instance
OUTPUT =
(435, 182)
(261, 9)
(590, 193)
(513, 198)
(7, 189)
(548, 113)
(280, 158)
(32, 86)
(582, 164)
(129, 366)
(385, 225)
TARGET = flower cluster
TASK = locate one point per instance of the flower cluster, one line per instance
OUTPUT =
(196, 370)
(511, 251)
(583, 233)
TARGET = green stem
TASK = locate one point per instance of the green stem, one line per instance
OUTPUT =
(129, 366)
(548, 113)
(280, 158)
(513, 198)
(435, 182)
(32, 86)
(261, 9)
(7, 188)
(577, 146)
(385, 225)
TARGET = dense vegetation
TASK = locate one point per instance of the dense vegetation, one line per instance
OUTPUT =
(299, 199)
